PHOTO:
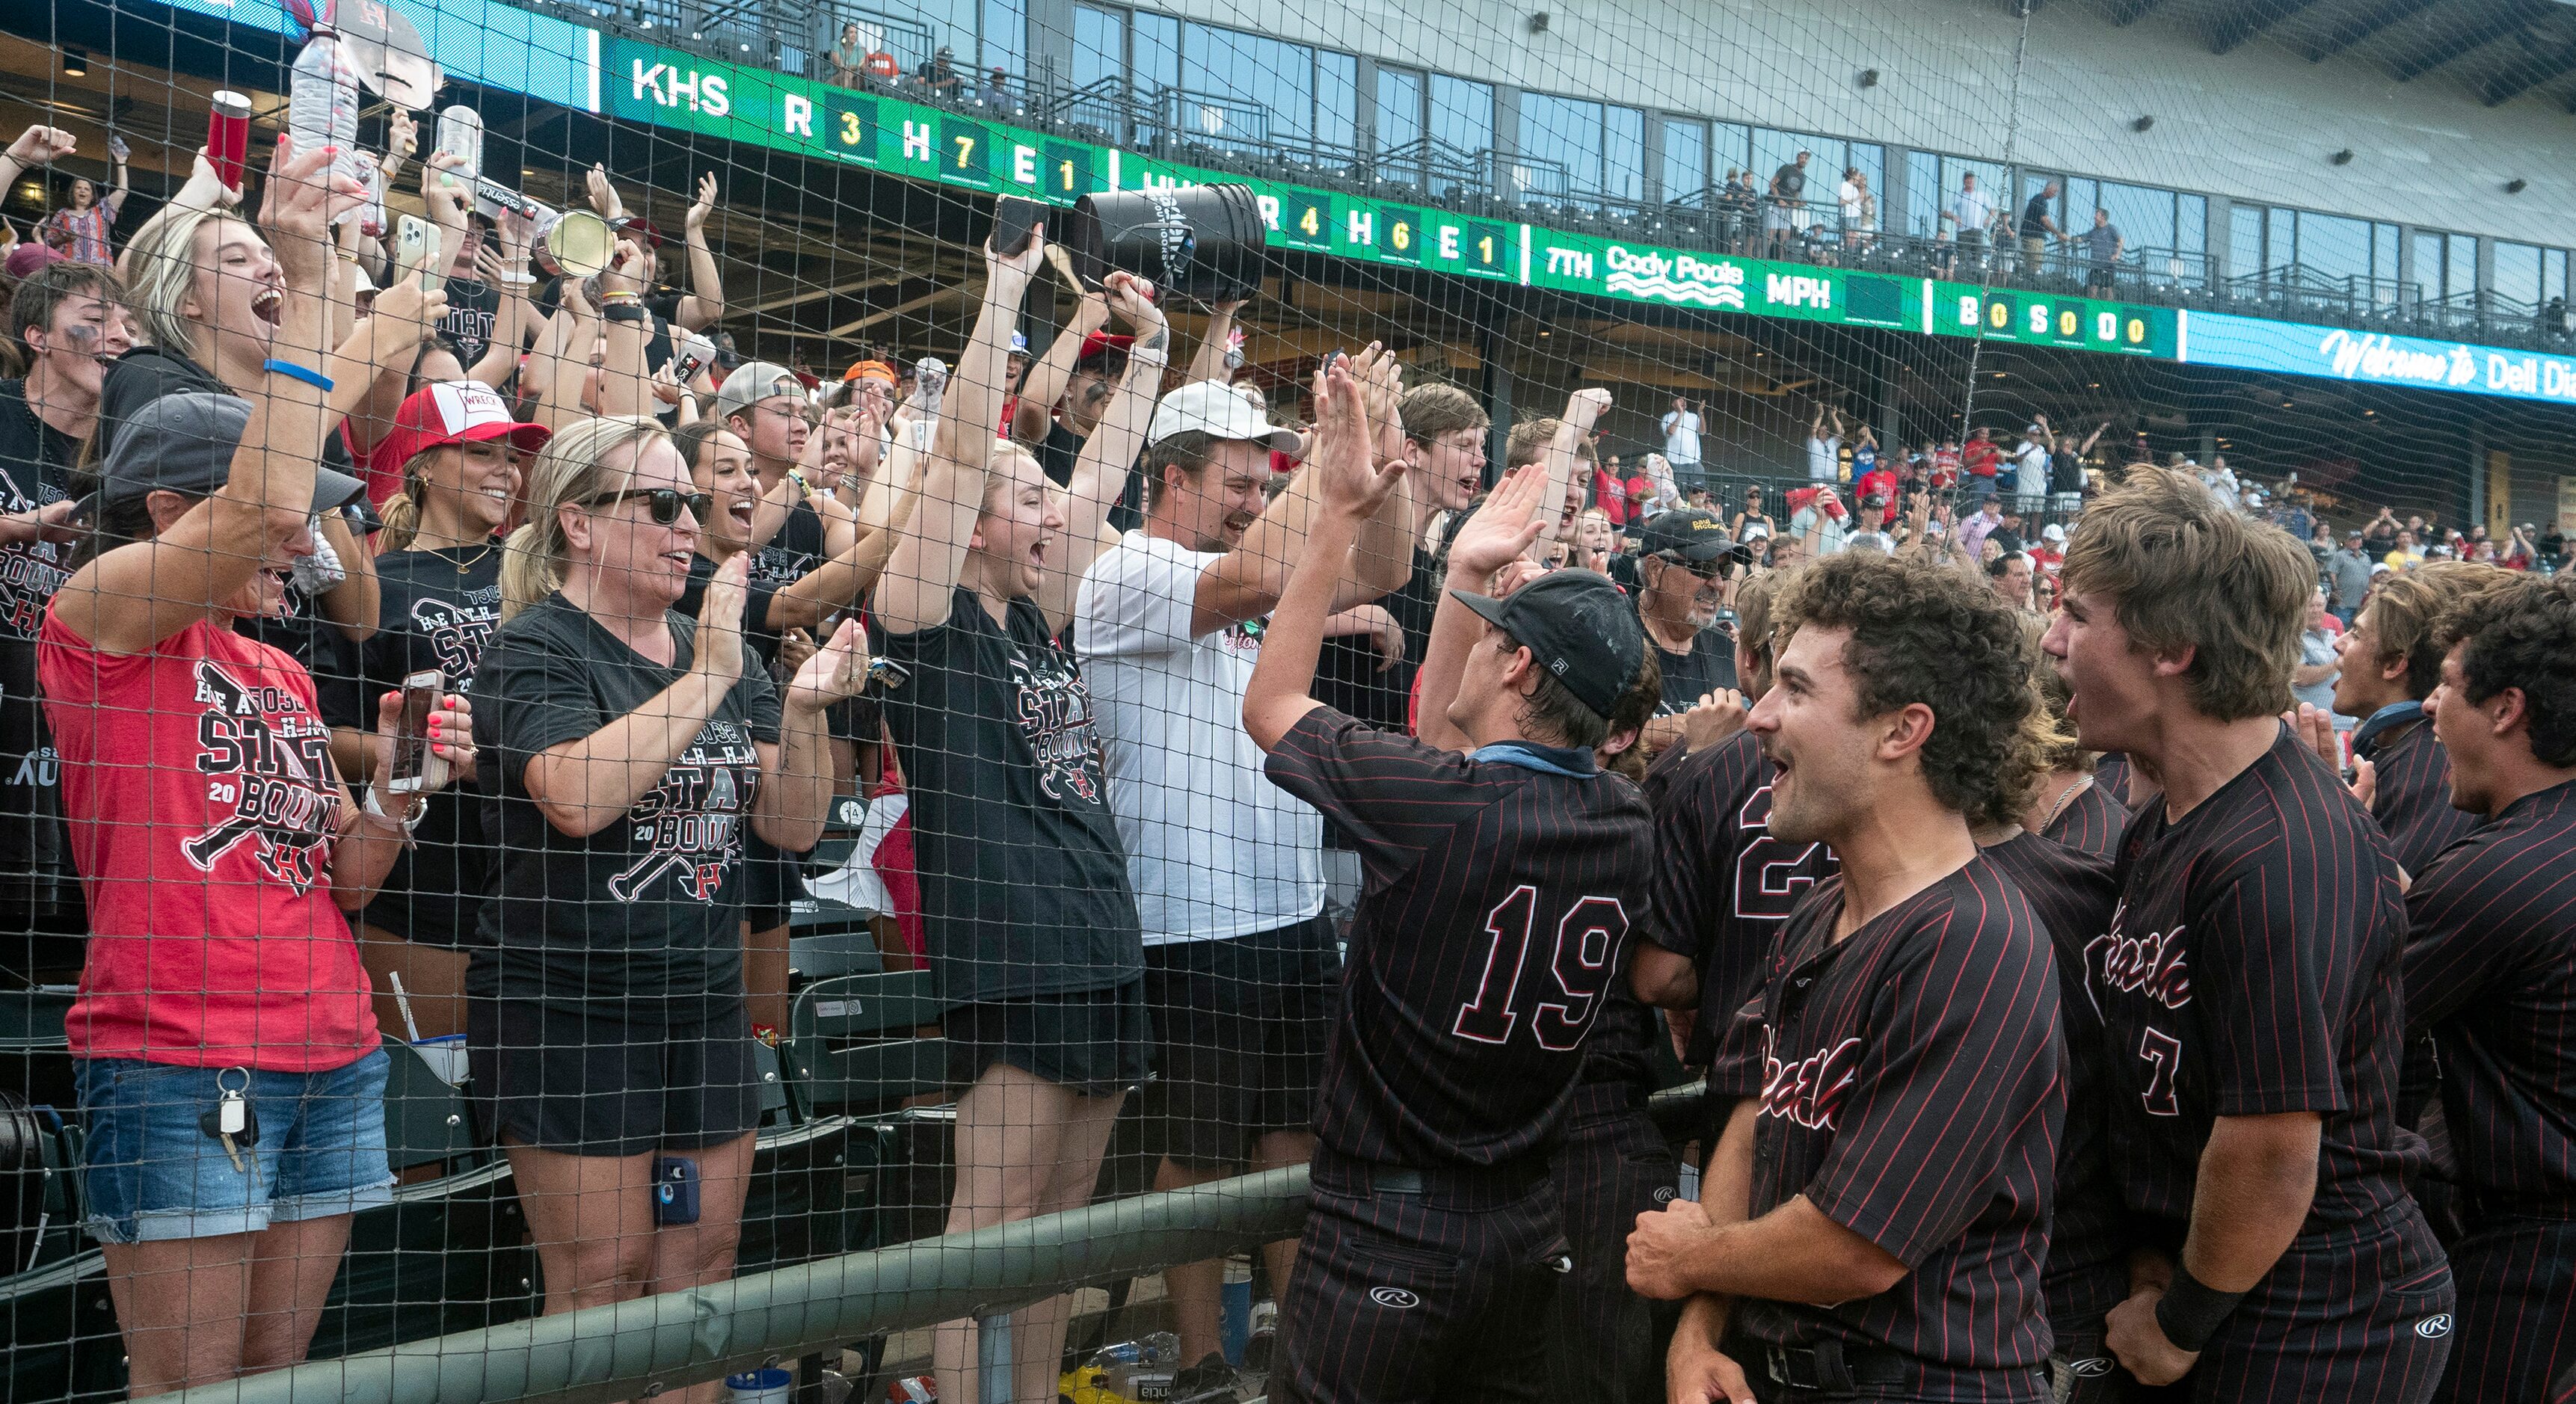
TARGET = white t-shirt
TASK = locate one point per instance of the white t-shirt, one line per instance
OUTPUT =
(1973, 211)
(2030, 473)
(1824, 459)
(1681, 436)
(1213, 848)
(1828, 540)
(1848, 197)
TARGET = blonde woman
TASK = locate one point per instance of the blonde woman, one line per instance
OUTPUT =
(627, 748)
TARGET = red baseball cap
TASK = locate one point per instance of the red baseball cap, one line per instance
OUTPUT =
(449, 412)
(639, 229)
(1099, 344)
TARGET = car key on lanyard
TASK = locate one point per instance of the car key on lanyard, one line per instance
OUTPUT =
(231, 1122)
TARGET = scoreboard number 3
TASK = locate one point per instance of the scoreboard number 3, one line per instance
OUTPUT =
(1580, 966)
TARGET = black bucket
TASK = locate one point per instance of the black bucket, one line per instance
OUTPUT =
(1202, 241)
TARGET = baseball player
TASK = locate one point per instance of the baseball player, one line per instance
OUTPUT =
(2249, 983)
(1501, 886)
(2491, 974)
(1723, 881)
(2390, 665)
(1898, 1072)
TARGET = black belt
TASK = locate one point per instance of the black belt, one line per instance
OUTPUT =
(1462, 1186)
(1833, 1367)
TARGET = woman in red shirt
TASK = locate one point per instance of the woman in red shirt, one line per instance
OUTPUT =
(228, 1071)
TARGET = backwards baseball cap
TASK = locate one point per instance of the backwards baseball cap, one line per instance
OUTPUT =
(28, 257)
(1213, 408)
(1577, 626)
(1695, 536)
(754, 382)
(451, 412)
(185, 443)
(639, 229)
(869, 370)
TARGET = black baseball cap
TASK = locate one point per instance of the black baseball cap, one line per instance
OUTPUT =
(1695, 536)
(185, 443)
(1578, 626)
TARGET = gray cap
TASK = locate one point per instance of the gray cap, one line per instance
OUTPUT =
(752, 383)
(185, 443)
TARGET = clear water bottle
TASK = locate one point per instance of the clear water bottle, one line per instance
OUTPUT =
(322, 105)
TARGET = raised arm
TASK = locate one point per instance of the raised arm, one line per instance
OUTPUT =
(1100, 472)
(1047, 379)
(1582, 410)
(138, 594)
(1209, 362)
(1354, 487)
(36, 146)
(921, 577)
(1499, 533)
(625, 387)
(705, 304)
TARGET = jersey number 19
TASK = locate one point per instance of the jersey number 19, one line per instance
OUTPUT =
(1585, 956)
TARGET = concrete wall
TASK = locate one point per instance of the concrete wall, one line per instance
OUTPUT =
(2257, 124)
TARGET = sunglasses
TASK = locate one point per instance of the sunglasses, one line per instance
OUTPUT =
(665, 503)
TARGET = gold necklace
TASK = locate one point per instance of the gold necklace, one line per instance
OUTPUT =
(466, 567)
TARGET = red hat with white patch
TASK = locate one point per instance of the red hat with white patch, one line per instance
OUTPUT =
(450, 412)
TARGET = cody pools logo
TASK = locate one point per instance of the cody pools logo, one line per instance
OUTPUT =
(1403, 1300)
(1672, 277)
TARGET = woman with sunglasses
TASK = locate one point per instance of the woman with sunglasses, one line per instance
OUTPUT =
(629, 748)
(1753, 515)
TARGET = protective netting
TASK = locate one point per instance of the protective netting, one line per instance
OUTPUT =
(926, 877)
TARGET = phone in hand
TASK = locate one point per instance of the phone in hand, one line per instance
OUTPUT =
(1015, 222)
(414, 766)
(1333, 358)
(416, 244)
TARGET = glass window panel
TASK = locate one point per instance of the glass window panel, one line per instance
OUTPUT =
(1462, 113)
(1399, 107)
(2517, 276)
(2462, 271)
(2245, 241)
(952, 26)
(1922, 194)
(2553, 275)
(2425, 266)
(2280, 239)
(1772, 150)
(1685, 157)
(1730, 149)
(1006, 36)
(1158, 52)
(2383, 252)
(1623, 153)
(2191, 223)
(2145, 217)
(1099, 45)
(1272, 75)
(2334, 248)
(1567, 133)
(1337, 99)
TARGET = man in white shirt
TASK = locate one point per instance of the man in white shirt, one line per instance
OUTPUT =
(2030, 468)
(1242, 968)
(1971, 210)
(1681, 443)
(1825, 446)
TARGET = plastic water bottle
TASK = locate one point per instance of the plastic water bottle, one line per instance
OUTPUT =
(322, 104)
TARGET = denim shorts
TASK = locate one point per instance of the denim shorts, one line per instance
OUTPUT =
(152, 1174)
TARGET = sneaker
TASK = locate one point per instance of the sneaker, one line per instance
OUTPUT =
(1211, 1381)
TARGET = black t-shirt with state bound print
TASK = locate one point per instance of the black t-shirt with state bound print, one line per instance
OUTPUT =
(1023, 879)
(1926, 1040)
(1499, 898)
(438, 608)
(641, 919)
(37, 880)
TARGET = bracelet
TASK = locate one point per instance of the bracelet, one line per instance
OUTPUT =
(617, 298)
(293, 371)
(625, 312)
(520, 278)
(408, 821)
(797, 476)
(2191, 1310)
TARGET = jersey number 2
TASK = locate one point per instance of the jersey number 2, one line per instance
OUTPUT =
(1586, 953)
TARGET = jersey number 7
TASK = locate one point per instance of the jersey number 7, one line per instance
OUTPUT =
(1582, 961)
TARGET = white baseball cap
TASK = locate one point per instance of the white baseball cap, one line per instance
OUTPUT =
(1213, 408)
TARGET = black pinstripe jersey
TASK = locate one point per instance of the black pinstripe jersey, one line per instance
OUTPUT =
(1498, 902)
(1723, 885)
(2074, 894)
(2093, 821)
(2491, 971)
(2253, 968)
(1909, 1084)
(2412, 798)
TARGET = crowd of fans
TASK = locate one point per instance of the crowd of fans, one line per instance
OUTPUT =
(1269, 767)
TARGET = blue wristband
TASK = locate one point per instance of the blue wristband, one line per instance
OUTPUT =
(306, 374)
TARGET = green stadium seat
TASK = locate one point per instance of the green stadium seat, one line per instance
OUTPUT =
(425, 1119)
(852, 1049)
(826, 955)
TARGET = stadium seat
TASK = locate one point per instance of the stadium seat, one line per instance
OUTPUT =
(425, 1118)
(852, 1048)
(828, 955)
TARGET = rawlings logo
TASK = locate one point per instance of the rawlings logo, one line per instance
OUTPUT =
(1395, 1297)
(2435, 1326)
(1809, 1092)
(2154, 964)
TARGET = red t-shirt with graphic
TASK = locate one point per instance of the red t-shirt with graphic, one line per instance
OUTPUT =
(203, 805)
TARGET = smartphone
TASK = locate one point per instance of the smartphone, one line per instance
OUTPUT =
(1332, 359)
(1015, 222)
(888, 674)
(228, 137)
(415, 767)
(416, 250)
(675, 1190)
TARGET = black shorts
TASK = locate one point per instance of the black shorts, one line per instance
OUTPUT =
(585, 1084)
(1605, 1342)
(1097, 1042)
(1243, 1023)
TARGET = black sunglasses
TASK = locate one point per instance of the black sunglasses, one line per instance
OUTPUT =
(665, 502)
